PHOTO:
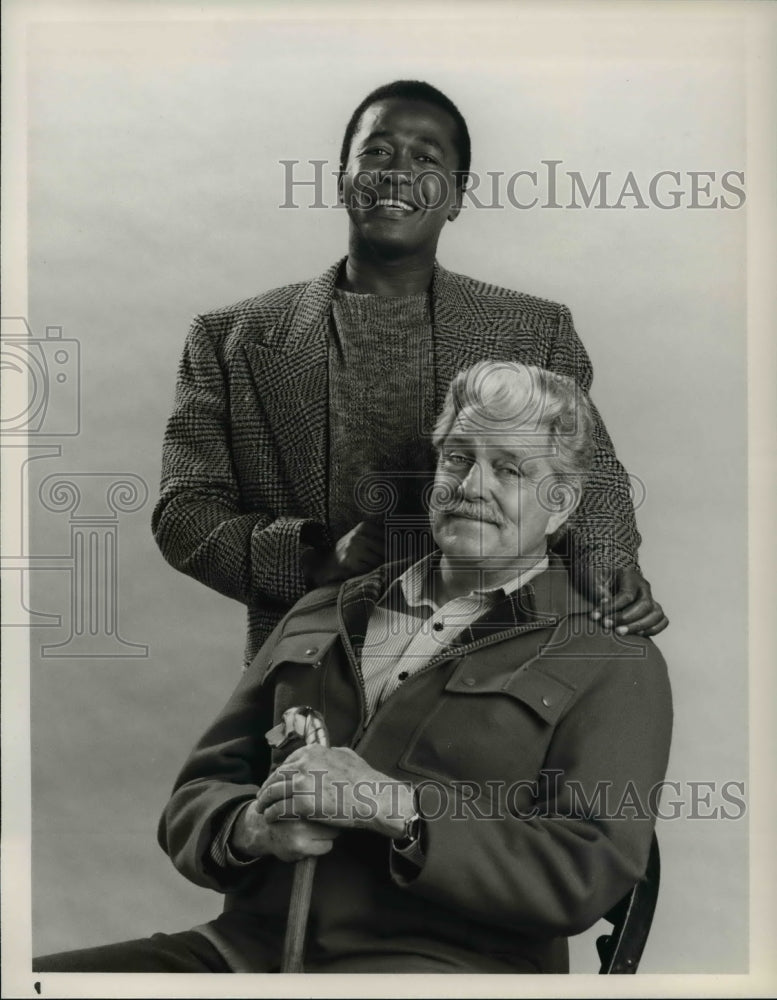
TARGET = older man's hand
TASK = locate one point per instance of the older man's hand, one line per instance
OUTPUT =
(334, 785)
(626, 602)
(253, 836)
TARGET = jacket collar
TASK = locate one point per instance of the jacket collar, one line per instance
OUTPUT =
(554, 595)
(358, 597)
(550, 595)
(454, 305)
(454, 308)
(308, 317)
(545, 600)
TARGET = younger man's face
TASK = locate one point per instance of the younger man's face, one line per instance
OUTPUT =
(399, 184)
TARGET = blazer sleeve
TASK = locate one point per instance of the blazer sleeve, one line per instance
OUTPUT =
(603, 529)
(555, 859)
(199, 522)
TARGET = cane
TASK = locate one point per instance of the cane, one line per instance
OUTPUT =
(307, 723)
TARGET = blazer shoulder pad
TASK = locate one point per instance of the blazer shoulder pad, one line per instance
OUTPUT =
(501, 299)
(249, 317)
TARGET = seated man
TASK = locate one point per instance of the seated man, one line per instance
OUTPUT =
(488, 791)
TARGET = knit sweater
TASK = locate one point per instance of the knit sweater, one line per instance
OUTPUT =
(379, 407)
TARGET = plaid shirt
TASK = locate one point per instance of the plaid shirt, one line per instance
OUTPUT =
(407, 628)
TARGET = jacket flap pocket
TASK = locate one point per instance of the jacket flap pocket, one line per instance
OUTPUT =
(302, 647)
(543, 694)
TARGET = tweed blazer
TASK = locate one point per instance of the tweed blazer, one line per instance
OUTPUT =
(537, 742)
(244, 467)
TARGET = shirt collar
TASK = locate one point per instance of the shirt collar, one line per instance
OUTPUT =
(415, 582)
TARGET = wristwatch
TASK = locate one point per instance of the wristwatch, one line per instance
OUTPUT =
(412, 829)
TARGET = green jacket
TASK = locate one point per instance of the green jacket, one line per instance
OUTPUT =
(538, 741)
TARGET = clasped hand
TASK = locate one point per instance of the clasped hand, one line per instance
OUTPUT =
(315, 794)
(335, 786)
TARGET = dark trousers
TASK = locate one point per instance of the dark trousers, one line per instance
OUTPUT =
(184, 952)
(192, 952)
(256, 950)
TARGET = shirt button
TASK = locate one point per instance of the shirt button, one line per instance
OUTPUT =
(403, 675)
(312, 651)
(469, 681)
(438, 626)
(546, 701)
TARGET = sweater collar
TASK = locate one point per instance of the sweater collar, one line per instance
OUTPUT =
(452, 308)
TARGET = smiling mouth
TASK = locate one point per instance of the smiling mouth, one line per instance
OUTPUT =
(396, 204)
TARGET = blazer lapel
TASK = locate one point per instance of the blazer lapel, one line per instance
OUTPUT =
(463, 330)
(290, 368)
(290, 372)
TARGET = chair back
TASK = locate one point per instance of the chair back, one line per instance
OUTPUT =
(621, 950)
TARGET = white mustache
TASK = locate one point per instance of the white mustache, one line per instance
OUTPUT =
(473, 511)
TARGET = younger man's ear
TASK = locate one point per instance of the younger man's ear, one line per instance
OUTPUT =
(455, 208)
(460, 181)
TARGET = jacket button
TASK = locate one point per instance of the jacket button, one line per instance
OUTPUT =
(469, 681)
(546, 701)
(312, 651)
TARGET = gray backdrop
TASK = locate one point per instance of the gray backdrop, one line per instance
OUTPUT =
(154, 193)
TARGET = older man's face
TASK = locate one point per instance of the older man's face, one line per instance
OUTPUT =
(493, 491)
(399, 184)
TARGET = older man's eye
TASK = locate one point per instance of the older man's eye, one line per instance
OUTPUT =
(453, 458)
(510, 472)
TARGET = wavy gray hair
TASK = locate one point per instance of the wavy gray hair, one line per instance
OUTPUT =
(512, 396)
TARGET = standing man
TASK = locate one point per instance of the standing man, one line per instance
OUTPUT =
(302, 422)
